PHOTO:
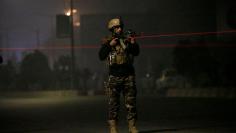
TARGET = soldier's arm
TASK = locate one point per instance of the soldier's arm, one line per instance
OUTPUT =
(133, 49)
(105, 49)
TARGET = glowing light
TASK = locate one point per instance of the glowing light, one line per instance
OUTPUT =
(68, 12)
(77, 24)
(74, 11)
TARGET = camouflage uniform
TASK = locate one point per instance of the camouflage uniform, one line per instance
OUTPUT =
(126, 86)
(121, 78)
(119, 52)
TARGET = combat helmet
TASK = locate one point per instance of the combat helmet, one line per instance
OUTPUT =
(114, 22)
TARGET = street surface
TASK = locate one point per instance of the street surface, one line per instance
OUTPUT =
(88, 114)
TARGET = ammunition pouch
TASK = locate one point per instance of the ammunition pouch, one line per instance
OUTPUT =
(115, 58)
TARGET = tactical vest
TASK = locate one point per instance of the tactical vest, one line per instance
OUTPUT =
(119, 55)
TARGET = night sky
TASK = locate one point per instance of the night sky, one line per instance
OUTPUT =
(28, 16)
(31, 23)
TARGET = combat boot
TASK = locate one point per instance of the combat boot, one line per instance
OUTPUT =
(132, 126)
(113, 126)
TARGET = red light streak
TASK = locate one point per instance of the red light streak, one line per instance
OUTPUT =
(185, 34)
(68, 47)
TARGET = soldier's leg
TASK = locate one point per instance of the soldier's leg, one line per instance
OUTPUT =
(129, 93)
(113, 98)
(113, 93)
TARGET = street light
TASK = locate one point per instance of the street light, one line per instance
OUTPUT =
(74, 21)
(72, 47)
(77, 24)
(68, 12)
(75, 16)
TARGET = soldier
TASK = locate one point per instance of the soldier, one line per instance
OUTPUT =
(119, 50)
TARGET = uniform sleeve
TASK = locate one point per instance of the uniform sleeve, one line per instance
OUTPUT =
(104, 51)
(133, 49)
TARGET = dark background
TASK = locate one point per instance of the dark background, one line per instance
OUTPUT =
(185, 73)
(36, 59)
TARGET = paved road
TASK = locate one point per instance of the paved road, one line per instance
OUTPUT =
(88, 115)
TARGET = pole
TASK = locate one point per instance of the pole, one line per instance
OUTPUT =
(37, 38)
(72, 46)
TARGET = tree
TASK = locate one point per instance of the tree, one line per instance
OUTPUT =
(35, 71)
(196, 63)
(7, 75)
(62, 71)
